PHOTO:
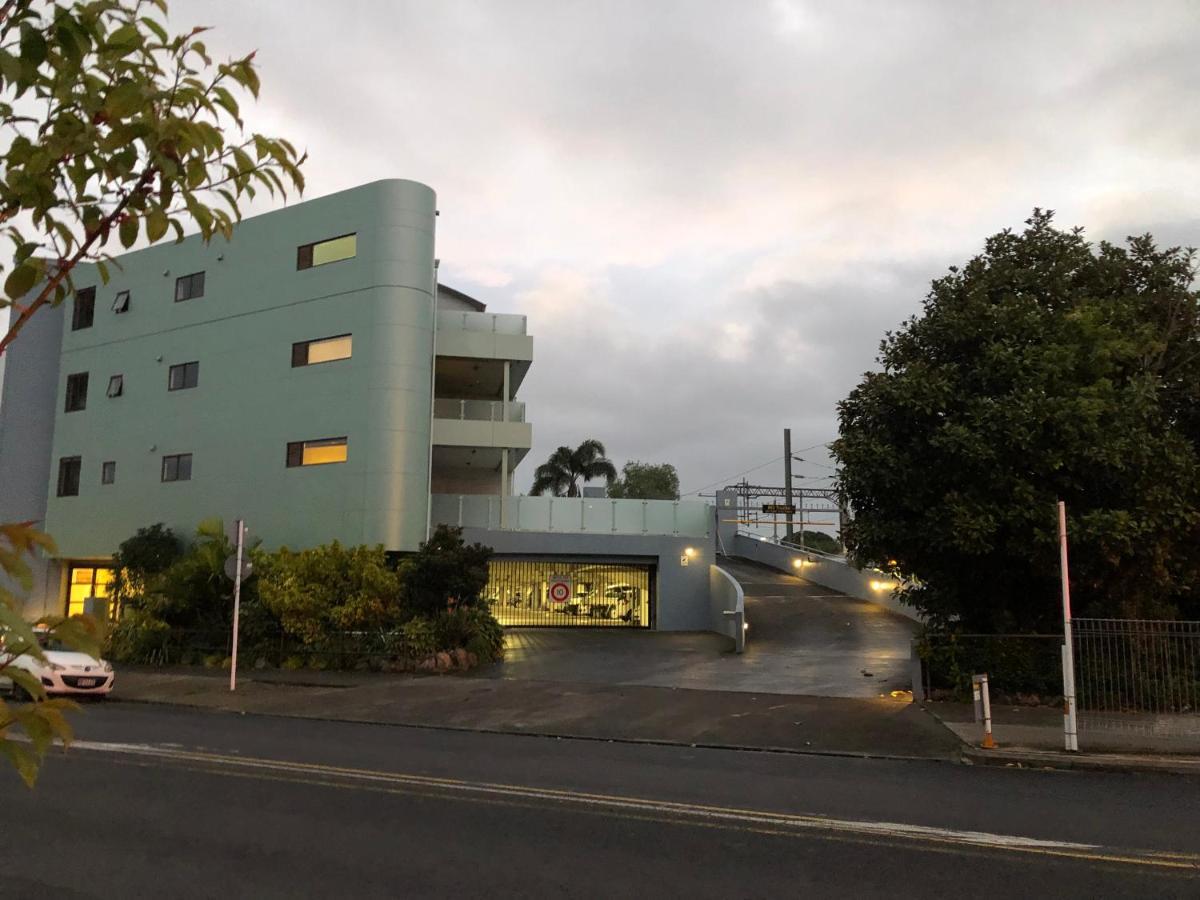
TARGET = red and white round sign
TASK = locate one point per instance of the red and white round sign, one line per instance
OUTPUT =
(560, 589)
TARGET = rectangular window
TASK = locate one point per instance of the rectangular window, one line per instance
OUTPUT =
(77, 386)
(184, 375)
(116, 385)
(322, 252)
(316, 453)
(88, 581)
(69, 468)
(108, 472)
(121, 304)
(189, 287)
(84, 309)
(177, 467)
(309, 353)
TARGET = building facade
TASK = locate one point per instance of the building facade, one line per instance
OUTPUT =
(312, 377)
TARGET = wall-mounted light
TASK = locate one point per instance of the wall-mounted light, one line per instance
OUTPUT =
(690, 551)
(882, 585)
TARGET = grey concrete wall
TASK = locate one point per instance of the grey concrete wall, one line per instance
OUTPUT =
(727, 606)
(726, 520)
(28, 400)
(825, 571)
(681, 592)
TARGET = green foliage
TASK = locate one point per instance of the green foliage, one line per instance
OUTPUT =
(42, 722)
(330, 588)
(114, 129)
(562, 473)
(646, 481)
(420, 637)
(473, 628)
(140, 561)
(444, 573)
(815, 540)
(1046, 368)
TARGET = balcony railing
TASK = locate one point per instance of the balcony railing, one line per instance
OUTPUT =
(479, 410)
(496, 323)
(689, 518)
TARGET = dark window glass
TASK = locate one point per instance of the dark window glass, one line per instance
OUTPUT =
(108, 472)
(184, 375)
(309, 353)
(189, 287)
(84, 309)
(77, 386)
(177, 467)
(69, 468)
(304, 257)
(116, 385)
(121, 304)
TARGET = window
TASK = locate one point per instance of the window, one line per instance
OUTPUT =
(69, 468)
(121, 304)
(189, 287)
(84, 310)
(116, 386)
(316, 453)
(177, 467)
(184, 375)
(332, 250)
(309, 353)
(108, 472)
(84, 582)
(77, 386)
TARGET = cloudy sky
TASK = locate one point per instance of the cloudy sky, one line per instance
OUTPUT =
(711, 211)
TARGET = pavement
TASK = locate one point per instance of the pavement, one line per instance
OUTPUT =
(785, 722)
(803, 639)
(193, 803)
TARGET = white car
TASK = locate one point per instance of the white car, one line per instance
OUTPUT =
(64, 671)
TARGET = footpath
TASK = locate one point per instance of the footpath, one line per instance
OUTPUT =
(880, 728)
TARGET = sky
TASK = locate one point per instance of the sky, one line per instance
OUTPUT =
(711, 212)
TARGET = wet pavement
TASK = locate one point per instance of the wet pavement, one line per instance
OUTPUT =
(803, 639)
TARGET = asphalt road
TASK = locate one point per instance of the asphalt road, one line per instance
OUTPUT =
(170, 802)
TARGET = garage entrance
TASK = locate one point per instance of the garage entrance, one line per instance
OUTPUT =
(565, 593)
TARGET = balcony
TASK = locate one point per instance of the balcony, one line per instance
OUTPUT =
(478, 410)
(574, 515)
(477, 335)
(481, 423)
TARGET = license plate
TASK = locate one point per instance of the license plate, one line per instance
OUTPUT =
(86, 682)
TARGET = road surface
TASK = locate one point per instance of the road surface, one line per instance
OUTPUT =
(168, 802)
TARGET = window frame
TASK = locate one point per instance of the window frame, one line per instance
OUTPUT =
(175, 459)
(190, 280)
(117, 380)
(295, 451)
(306, 252)
(108, 471)
(184, 386)
(303, 347)
(88, 297)
(121, 302)
(65, 465)
(80, 396)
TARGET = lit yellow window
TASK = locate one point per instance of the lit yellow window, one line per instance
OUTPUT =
(332, 250)
(310, 353)
(317, 453)
(86, 582)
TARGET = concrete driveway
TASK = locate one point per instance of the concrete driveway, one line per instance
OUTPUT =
(803, 639)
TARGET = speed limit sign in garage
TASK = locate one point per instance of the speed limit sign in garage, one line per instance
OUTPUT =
(559, 589)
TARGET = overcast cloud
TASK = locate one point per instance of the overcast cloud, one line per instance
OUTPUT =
(711, 211)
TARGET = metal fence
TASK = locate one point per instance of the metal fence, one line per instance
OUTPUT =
(543, 592)
(1137, 666)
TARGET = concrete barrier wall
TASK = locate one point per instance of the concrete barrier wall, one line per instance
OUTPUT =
(727, 606)
(826, 571)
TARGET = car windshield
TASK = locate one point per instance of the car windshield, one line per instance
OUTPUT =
(50, 642)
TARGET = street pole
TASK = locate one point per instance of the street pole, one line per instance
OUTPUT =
(237, 604)
(1070, 724)
(787, 478)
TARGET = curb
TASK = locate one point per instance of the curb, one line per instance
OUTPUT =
(1034, 759)
(557, 735)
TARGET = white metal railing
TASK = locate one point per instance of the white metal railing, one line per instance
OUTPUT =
(578, 515)
(479, 410)
(497, 323)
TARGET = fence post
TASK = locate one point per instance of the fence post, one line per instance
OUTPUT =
(979, 685)
(916, 672)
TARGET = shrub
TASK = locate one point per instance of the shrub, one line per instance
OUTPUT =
(474, 628)
(420, 638)
(445, 572)
(139, 638)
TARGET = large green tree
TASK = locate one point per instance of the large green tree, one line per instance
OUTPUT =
(563, 474)
(1045, 368)
(646, 481)
(112, 130)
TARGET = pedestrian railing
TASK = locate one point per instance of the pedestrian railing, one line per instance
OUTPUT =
(1138, 666)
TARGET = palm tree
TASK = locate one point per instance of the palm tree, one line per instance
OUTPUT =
(561, 474)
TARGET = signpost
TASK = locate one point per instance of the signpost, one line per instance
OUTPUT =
(239, 571)
(779, 509)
